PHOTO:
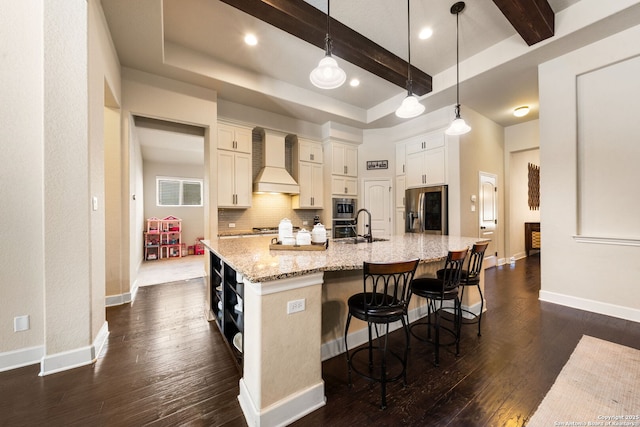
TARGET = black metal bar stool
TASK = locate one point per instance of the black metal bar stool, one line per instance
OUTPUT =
(384, 300)
(471, 277)
(438, 290)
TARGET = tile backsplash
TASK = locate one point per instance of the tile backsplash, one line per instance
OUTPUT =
(267, 210)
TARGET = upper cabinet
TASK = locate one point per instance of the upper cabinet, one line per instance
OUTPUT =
(234, 138)
(426, 161)
(309, 151)
(344, 159)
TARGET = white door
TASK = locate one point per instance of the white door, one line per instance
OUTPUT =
(488, 216)
(377, 200)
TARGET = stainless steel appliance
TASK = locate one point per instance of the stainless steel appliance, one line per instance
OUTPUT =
(344, 211)
(427, 210)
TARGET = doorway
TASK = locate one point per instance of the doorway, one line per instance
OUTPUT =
(377, 200)
(488, 216)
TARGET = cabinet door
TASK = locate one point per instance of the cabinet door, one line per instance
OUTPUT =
(344, 186)
(415, 170)
(225, 184)
(305, 181)
(243, 184)
(226, 137)
(243, 140)
(351, 161)
(435, 164)
(318, 186)
(399, 228)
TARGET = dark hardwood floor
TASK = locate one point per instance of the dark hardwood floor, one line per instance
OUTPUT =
(165, 365)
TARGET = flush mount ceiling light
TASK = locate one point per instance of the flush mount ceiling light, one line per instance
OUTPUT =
(251, 39)
(328, 74)
(410, 106)
(521, 111)
(458, 126)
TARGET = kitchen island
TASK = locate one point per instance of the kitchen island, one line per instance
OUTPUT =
(283, 348)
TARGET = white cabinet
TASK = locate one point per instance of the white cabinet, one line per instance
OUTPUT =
(401, 158)
(344, 159)
(309, 151)
(399, 229)
(309, 177)
(307, 171)
(234, 138)
(234, 179)
(344, 186)
(426, 161)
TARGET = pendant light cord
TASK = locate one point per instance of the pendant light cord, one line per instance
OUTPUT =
(327, 39)
(457, 65)
(409, 81)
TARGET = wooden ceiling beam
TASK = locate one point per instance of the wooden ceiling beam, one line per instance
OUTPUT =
(304, 21)
(534, 20)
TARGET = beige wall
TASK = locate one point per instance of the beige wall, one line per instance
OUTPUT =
(481, 150)
(22, 175)
(597, 275)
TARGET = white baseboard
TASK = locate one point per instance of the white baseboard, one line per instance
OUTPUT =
(284, 412)
(621, 312)
(20, 358)
(126, 298)
(50, 364)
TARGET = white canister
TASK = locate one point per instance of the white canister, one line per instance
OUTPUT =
(285, 229)
(319, 234)
(303, 237)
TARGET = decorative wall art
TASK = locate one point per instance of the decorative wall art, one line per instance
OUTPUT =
(534, 187)
(377, 164)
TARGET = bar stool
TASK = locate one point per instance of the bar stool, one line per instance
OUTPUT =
(438, 290)
(384, 300)
(471, 277)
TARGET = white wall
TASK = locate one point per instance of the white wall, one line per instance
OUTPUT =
(591, 274)
(522, 143)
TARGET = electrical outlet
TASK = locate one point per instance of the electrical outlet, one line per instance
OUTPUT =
(232, 225)
(21, 323)
(305, 222)
(295, 306)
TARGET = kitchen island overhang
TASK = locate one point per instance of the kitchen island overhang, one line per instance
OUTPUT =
(283, 350)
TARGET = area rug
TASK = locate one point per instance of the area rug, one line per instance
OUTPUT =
(599, 386)
(170, 270)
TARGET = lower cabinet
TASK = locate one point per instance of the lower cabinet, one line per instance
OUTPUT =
(228, 305)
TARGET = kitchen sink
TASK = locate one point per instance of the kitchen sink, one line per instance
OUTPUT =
(352, 241)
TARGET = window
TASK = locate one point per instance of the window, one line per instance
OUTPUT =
(178, 191)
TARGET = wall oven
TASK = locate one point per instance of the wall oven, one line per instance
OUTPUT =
(427, 210)
(344, 211)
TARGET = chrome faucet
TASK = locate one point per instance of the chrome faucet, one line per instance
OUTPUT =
(368, 236)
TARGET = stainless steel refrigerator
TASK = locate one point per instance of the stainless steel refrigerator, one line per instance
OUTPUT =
(426, 210)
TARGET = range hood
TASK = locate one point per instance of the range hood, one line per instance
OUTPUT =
(273, 177)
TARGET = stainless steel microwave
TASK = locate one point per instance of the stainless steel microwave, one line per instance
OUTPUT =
(344, 208)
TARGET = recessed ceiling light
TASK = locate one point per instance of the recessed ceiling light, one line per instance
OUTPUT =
(354, 82)
(521, 111)
(251, 40)
(425, 33)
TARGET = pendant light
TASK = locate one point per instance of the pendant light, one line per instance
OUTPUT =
(458, 126)
(410, 106)
(328, 74)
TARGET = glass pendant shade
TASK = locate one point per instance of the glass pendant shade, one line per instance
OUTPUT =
(410, 107)
(327, 75)
(458, 127)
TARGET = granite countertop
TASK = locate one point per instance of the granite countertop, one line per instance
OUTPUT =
(254, 259)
